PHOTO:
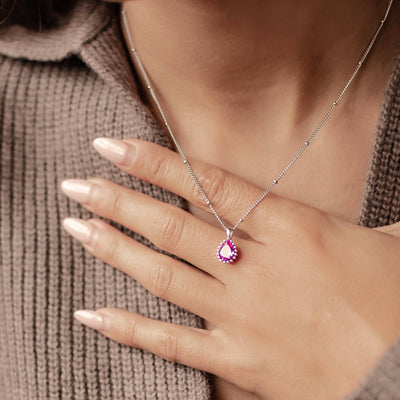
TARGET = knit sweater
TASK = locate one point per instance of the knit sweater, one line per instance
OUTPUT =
(60, 89)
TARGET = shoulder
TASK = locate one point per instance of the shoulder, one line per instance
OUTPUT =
(84, 49)
(87, 19)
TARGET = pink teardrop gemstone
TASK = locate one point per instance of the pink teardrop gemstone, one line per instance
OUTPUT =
(227, 251)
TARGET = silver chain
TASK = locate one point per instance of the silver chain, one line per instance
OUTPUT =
(151, 90)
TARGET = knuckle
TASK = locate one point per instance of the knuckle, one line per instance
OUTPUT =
(168, 345)
(157, 168)
(306, 222)
(118, 203)
(321, 232)
(161, 277)
(171, 231)
(112, 251)
(216, 185)
(131, 333)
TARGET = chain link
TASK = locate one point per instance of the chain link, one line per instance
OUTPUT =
(296, 156)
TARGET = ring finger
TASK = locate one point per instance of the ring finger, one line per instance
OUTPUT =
(168, 227)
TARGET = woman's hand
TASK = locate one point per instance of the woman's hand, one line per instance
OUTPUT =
(305, 311)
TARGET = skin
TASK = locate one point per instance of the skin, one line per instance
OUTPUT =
(324, 301)
(330, 286)
(230, 85)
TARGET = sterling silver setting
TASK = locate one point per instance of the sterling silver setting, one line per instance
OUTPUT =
(227, 251)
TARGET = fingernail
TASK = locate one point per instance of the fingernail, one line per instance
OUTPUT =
(115, 150)
(79, 229)
(77, 189)
(92, 319)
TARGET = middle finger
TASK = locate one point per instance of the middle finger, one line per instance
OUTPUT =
(168, 227)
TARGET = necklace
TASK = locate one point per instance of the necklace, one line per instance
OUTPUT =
(227, 251)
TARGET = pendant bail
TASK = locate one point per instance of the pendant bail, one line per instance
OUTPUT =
(229, 233)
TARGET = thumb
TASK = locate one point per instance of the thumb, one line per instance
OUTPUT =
(393, 229)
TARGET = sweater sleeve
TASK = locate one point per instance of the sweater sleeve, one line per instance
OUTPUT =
(382, 382)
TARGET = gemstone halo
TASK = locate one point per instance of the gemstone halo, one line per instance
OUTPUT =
(227, 251)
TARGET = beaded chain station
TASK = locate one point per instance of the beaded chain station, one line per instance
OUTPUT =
(227, 251)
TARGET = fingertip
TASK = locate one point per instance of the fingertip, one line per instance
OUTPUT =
(92, 319)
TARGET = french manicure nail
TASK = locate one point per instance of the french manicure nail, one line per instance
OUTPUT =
(79, 229)
(77, 189)
(115, 150)
(92, 319)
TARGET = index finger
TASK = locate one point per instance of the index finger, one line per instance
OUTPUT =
(230, 195)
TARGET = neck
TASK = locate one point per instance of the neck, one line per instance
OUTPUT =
(227, 54)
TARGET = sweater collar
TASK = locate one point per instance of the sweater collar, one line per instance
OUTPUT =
(91, 32)
(81, 25)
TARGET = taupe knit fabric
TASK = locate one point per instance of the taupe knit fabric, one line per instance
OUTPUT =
(58, 91)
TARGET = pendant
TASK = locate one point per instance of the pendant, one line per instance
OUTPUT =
(227, 251)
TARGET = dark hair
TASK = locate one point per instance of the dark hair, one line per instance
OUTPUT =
(33, 14)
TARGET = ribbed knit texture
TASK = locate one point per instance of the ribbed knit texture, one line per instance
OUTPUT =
(58, 91)
(383, 381)
(50, 113)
